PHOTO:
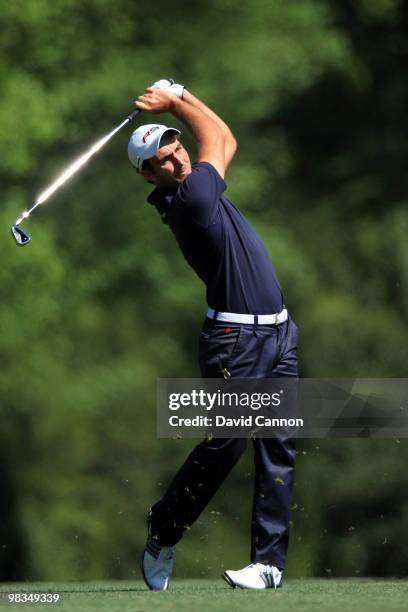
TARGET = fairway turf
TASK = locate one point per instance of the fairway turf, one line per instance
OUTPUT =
(213, 595)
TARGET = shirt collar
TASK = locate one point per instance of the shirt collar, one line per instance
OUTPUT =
(161, 200)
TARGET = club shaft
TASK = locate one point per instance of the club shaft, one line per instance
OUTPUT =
(75, 166)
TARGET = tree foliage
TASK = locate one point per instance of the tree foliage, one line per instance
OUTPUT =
(101, 303)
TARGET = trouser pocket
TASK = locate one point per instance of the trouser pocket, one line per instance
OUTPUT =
(218, 346)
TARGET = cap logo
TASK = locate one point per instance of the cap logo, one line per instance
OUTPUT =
(149, 132)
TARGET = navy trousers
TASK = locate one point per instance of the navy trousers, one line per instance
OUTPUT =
(245, 351)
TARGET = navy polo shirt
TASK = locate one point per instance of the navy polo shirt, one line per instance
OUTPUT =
(219, 244)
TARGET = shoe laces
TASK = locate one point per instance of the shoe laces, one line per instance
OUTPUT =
(169, 553)
(263, 568)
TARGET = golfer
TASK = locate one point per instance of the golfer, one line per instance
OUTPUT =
(247, 331)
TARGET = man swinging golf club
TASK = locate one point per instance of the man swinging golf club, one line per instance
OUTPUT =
(247, 331)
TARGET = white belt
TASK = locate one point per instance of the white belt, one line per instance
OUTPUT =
(248, 319)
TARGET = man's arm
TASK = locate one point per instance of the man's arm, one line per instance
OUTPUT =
(208, 134)
(230, 142)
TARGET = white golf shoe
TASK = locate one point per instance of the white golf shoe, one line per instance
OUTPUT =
(157, 563)
(255, 576)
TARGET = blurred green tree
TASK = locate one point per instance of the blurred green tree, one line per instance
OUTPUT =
(101, 302)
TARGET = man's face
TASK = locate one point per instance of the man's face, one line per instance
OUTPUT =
(171, 164)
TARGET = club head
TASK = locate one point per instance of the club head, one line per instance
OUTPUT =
(19, 236)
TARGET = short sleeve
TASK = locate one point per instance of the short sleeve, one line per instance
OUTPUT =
(199, 194)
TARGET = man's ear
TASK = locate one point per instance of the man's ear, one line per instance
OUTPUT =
(149, 176)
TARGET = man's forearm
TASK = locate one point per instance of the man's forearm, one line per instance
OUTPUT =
(230, 142)
(194, 101)
(204, 129)
(207, 133)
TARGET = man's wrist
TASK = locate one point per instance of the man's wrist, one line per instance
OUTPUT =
(175, 105)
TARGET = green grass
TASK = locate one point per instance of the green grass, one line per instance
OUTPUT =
(196, 595)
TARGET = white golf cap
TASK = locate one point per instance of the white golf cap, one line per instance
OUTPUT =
(145, 141)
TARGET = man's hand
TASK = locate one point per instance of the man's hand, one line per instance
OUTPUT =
(156, 101)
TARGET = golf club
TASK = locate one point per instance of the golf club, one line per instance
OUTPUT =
(18, 234)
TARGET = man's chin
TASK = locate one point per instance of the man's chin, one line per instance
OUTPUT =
(182, 177)
(172, 182)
